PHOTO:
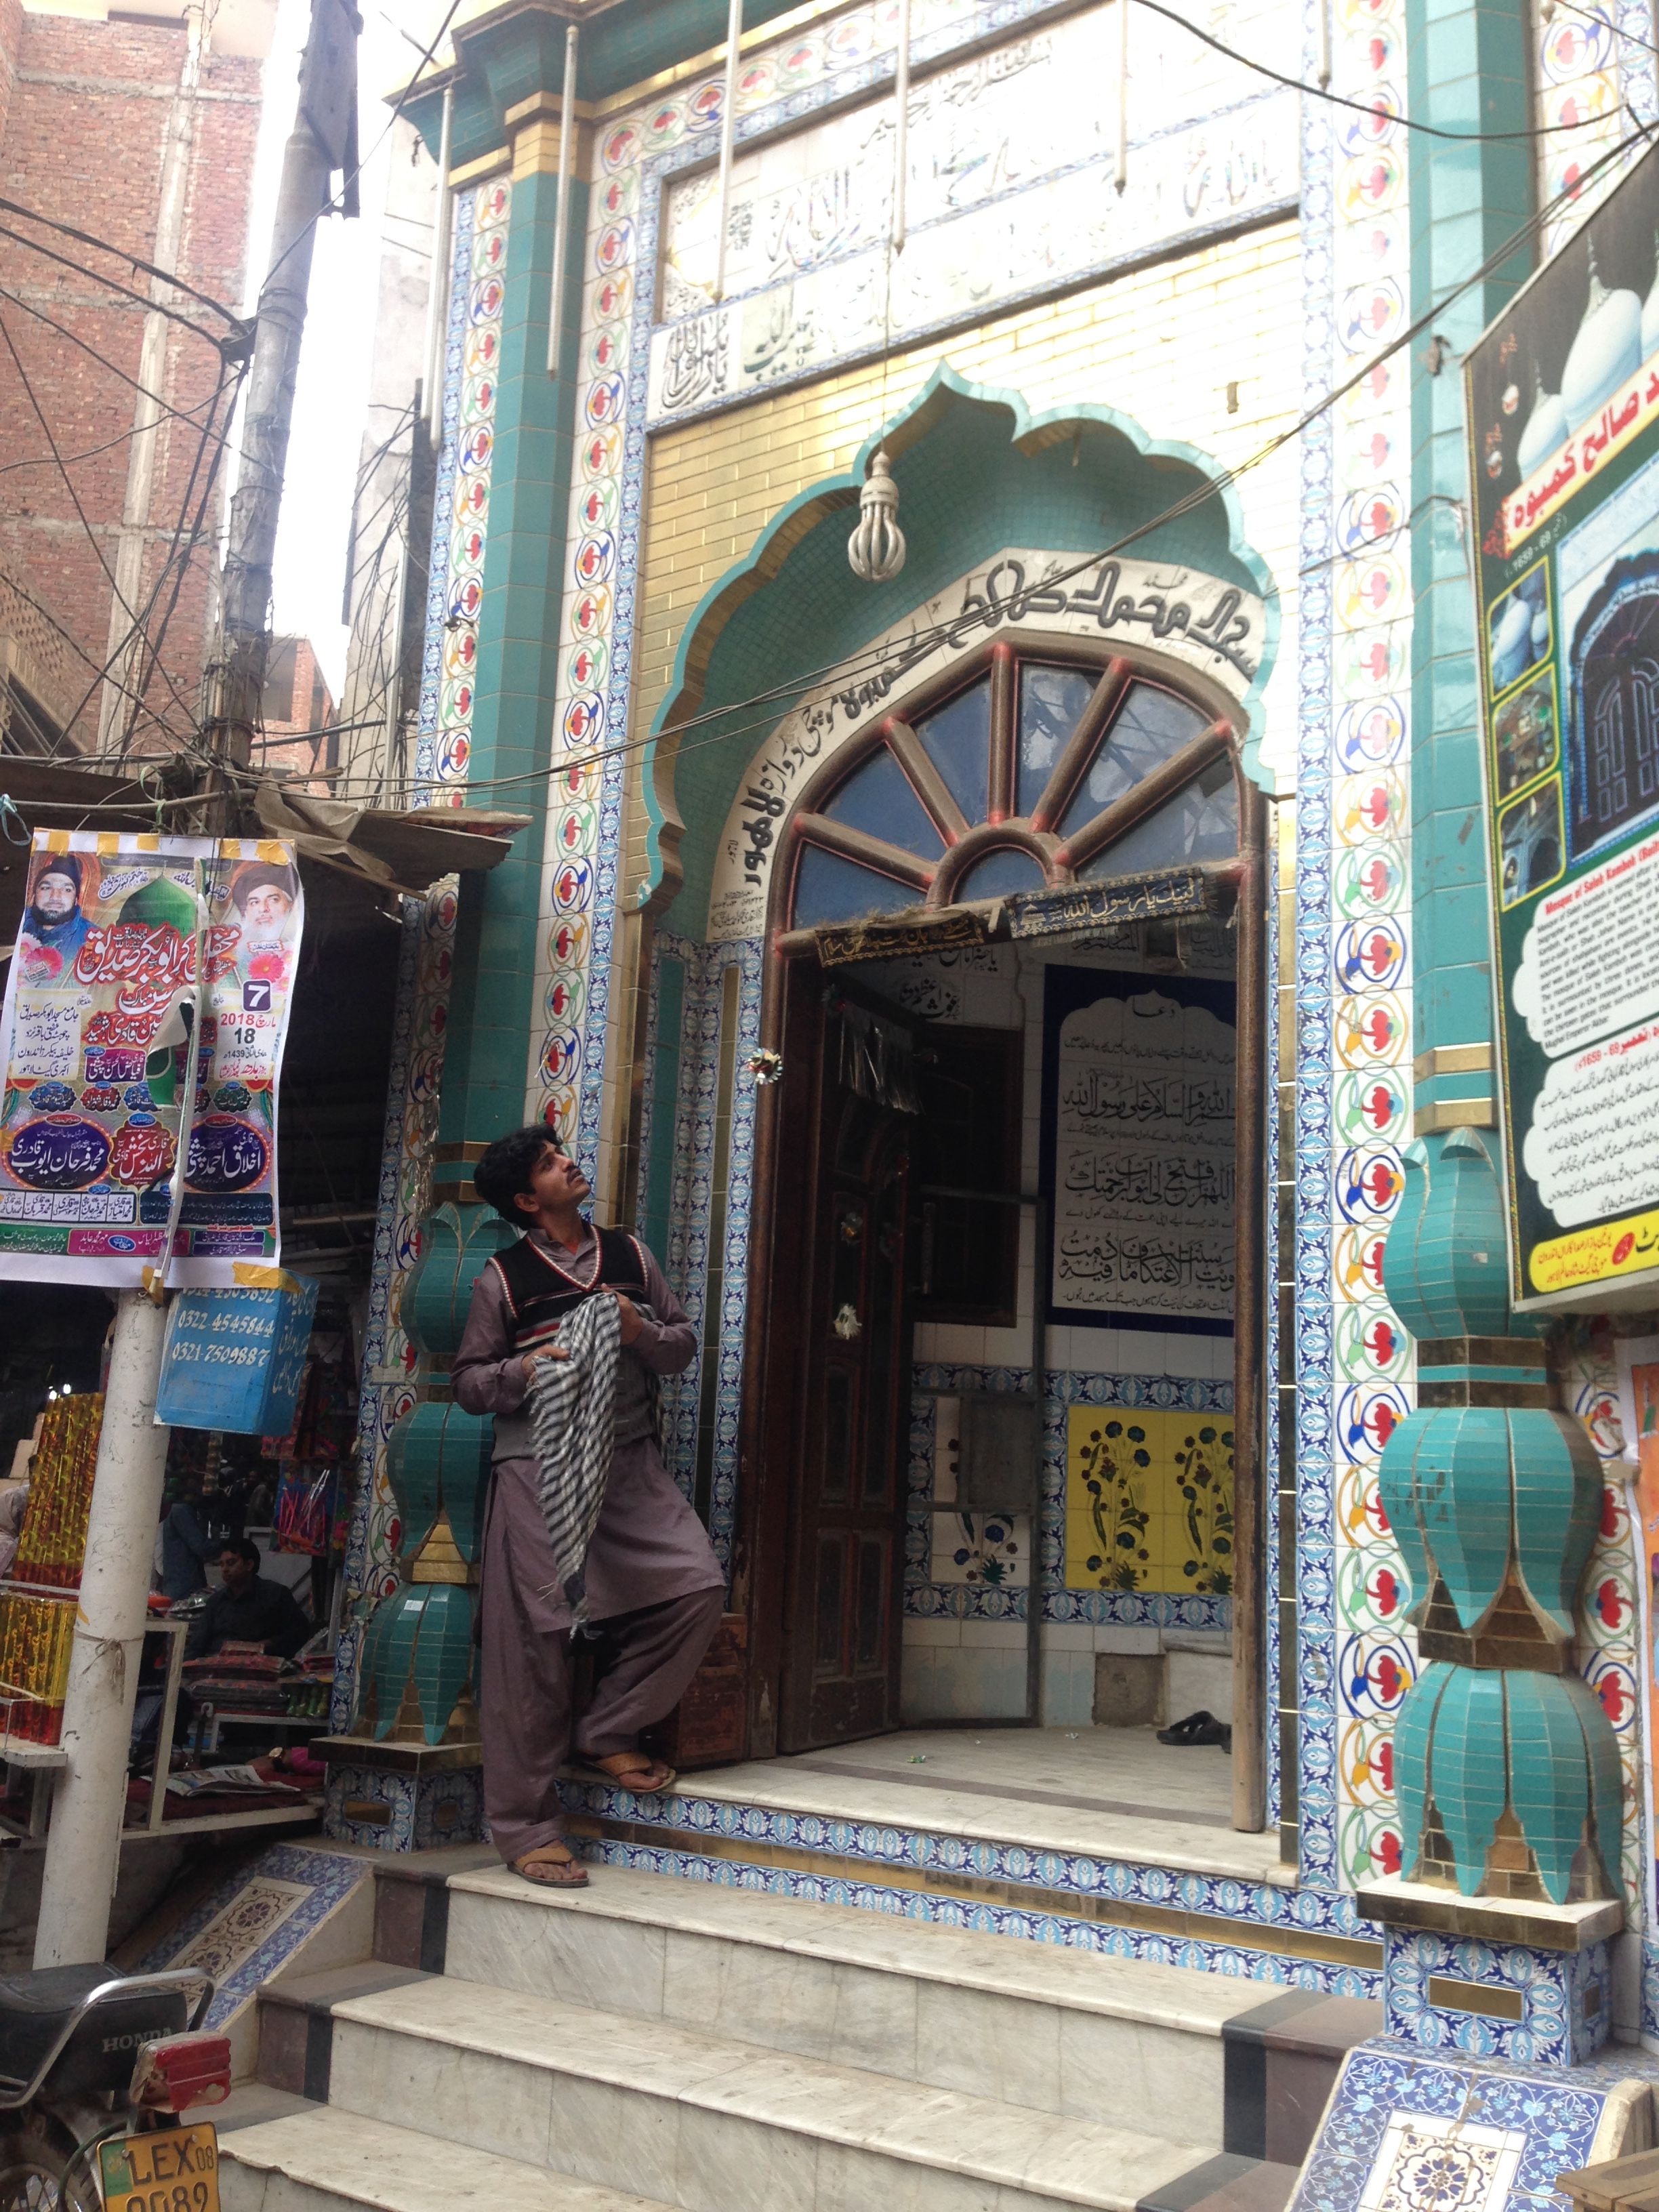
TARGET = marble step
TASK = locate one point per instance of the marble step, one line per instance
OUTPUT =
(1071, 2032)
(711, 2123)
(320, 2160)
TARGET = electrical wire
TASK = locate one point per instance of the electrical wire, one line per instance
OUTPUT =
(16, 300)
(33, 399)
(91, 454)
(350, 178)
(186, 744)
(1617, 30)
(872, 660)
(151, 306)
(1212, 488)
(1361, 107)
(121, 253)
(179, 559)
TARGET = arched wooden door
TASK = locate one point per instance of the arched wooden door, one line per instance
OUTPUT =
(1040, 764)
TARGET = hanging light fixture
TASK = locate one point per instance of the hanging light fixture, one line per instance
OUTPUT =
(876, 548)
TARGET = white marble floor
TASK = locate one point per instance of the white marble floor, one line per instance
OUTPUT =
(1114, 1792)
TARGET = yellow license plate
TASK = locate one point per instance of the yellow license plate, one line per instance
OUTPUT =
(165, 2170)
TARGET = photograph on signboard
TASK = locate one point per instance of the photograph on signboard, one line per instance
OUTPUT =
(1525, 740)
(1563, 398)
(1518, 628)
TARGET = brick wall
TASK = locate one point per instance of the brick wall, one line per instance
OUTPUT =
(85, 110)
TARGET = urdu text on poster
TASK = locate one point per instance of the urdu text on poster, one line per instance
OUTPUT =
(150, 986)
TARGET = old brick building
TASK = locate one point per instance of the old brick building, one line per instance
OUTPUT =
(138, 129)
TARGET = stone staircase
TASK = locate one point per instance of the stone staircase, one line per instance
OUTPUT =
(651, 2042)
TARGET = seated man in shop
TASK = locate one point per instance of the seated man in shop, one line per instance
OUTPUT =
(247, 1608)
(653, 1585)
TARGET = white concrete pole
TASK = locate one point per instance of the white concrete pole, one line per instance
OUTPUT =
(84, 1844)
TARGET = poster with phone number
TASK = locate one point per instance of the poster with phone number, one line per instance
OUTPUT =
(150, 986)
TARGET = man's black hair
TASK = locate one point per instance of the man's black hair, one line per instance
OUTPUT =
(506, 1170)
(244, 1546)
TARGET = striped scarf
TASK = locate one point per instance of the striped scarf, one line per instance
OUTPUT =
(572, 1404)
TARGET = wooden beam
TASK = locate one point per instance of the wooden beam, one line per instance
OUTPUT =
(869, 851)
(1146, 796)
(1004, 705)
(913, 757)
(1079, 747)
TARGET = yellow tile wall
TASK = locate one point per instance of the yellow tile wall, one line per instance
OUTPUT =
(1203, 349)
(1149, 1500)
(1160, 344)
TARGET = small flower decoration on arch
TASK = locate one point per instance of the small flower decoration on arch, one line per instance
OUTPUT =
(1038, 768)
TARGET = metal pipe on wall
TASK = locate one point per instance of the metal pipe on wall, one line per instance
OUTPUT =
(561, 210)
(1250, 1325)
(728, 132)
(901, 127)
(437, 298)
(1121, 163)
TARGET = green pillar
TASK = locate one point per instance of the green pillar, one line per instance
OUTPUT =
(1506, 1772)
(1467, 71)
(415, 1688)
(492, 1013)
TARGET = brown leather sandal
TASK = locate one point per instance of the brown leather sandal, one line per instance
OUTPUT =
(629, 1770)
(545, 1872)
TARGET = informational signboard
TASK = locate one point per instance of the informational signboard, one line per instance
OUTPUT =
(233, 1359)
(1563, 394)
(1138, 1148)
(149, 987)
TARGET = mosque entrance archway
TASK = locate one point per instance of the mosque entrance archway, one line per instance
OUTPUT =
(1043, 765)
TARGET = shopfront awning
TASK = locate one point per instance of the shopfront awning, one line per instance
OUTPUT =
(348, 854)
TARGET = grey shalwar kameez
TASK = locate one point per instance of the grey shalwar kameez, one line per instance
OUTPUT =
(653, 1578)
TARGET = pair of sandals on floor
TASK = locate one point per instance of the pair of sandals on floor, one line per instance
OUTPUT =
(555, 1866)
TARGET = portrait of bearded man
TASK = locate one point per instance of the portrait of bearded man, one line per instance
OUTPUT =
(54, 929)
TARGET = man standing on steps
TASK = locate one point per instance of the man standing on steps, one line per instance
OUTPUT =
(653, 1583)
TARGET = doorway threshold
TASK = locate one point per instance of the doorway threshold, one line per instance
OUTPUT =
(1110, 1793)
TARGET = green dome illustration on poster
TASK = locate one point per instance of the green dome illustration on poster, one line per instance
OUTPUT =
(160, 901)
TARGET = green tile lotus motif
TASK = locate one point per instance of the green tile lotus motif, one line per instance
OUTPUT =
(437, 1461)
(1445, 1267)
(456, 1244)
(1482, 1741)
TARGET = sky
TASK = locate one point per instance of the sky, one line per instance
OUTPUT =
(331, 395)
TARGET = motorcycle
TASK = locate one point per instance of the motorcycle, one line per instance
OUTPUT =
(96, 2071)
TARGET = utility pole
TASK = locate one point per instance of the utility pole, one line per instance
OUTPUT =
(323, 140)
(83, 1846)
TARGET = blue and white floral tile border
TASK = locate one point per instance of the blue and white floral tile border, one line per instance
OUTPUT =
(1206, 1955)
(329, 1877)
(415, 1802)
(922, 1851)
(1567, 1996)
(1550, 2126)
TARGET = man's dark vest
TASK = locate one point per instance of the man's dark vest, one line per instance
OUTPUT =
(541, 1292)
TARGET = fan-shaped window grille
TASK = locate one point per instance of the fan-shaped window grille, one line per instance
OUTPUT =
(1034, 774)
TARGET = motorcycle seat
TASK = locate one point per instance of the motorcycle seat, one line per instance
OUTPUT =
(34, 2010)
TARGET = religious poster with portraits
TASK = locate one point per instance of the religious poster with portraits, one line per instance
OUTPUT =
(148, 991)
(255, 913)
(1563, 394)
